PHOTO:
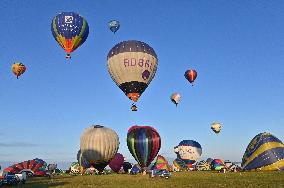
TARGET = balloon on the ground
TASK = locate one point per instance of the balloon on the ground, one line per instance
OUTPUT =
(98, 146)
(114, 25)
(161, 163)
(265, 152)
(202, 166)
(132, 66)
(70, 30)
(190, 75)
(144, 143)
(188, 152)
(175, 98)
(217, 164)
(216, 127)
(116, 163)
(18, 69)
(36, 166)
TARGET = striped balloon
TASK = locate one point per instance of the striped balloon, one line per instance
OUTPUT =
(264, 152)
(144, 143)
(98, 146)
(190, 75)
(132, 66)
(70, 30)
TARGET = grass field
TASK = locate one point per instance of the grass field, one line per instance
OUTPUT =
(178, 179)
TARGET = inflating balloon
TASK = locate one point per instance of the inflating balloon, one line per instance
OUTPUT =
(265, 152)
(114, 25)
(144, 143)
(98, 146)
(18, 69)
(70, 30)
(190, 75)
(175, 98)
(216, 127)
(116, 163)
(132, 66)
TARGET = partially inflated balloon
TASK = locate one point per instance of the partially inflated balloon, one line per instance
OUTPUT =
(190, 75)
(132, 65)
(144, 143)
(175, 98)
(98, 146)
(216, 127)
(70, 30)
(265, 152)
(18, 69)
(114, 25)
(116, 163)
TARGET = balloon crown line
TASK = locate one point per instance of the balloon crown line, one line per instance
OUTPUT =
(98, 126)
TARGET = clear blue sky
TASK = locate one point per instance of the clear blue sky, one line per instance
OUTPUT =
(236, 47)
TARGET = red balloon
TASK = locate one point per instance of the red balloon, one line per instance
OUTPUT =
(190, 75)
(117, 162)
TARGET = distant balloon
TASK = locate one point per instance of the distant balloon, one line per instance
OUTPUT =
(114, 25)
(70, 30)
(217, 164)
(18, 69)
(190, 75)
(132, 66)
(116, 163)
(98, 146)
(144, 143)
(216, 127)
(175, 98)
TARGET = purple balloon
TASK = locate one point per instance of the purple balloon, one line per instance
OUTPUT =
(117, 162)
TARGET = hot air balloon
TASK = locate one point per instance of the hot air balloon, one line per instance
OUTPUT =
(175, 98)
(132, 65)
(218, 165)
(114, 25)
(70, 30)
(18, 69)
(265, 152)
(216, 127)
(202, 166)
(116, 163)
(35, 167)
(144, 143)
(190, 75)
(98, 146)
(188, 152)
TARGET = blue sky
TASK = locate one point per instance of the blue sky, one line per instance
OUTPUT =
(236, 47)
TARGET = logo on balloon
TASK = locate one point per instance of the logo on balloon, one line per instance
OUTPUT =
(145, 74)
(68, 19)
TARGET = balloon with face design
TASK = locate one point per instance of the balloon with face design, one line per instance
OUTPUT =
(188, 152)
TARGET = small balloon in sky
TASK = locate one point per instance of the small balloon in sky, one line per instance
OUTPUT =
(113, 25)
(18, 69)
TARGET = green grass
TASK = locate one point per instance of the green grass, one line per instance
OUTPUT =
(178, 179)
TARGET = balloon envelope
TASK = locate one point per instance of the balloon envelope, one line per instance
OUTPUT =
(265, 152)
(70, 30)
(98, 146)
(190, 75)
(175, 98)
(114, 25)
(144, 143)
(116, 163)
(216, 127)
(18, 69)
(132, 66)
